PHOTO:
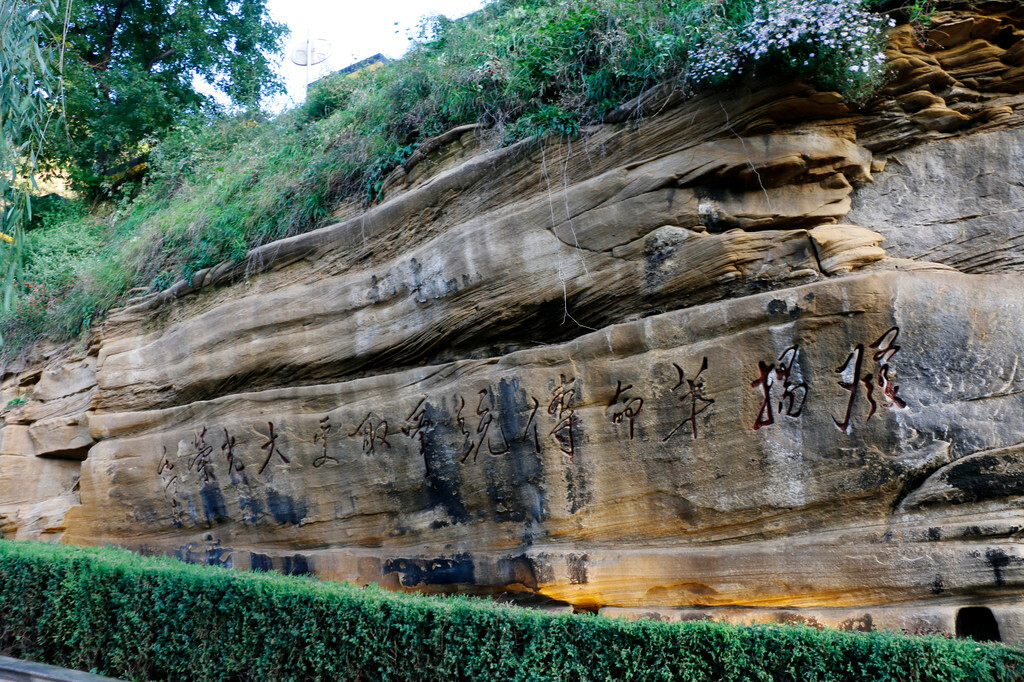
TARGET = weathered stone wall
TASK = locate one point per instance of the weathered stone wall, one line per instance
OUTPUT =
(754, 357)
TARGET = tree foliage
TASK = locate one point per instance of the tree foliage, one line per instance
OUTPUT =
(27, 51)
(133, 66)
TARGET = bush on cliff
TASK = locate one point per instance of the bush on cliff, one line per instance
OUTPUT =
(120, 614)
(220, 186)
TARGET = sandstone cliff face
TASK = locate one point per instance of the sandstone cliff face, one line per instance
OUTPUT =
(756, 357)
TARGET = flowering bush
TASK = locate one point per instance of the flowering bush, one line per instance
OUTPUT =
(34, 302)
(837, 43)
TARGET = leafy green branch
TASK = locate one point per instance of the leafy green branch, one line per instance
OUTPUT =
(27, 83)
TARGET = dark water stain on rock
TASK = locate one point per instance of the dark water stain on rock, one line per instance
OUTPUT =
(285, 508)
(260, 562)
(799, 619)
(209, 554)
(874, 473)
(998, 560)
(214, 508)
(296, 564)
(443, 482)
(517, 570)
(251, 508)
(576, 564)
(863, 624)
(577, 490)
(191, 510)
(416, 270)
(514, 476)
(570, 440)
(656, 253)
(984, 477)
(442, 571)
(373, 293)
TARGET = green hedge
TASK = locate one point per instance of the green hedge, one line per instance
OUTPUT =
(116, 613)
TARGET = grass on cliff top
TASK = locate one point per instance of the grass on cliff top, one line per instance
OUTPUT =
(117, 613)
(224, 184)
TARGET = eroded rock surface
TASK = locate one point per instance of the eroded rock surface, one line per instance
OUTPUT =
(756, 357)
(958, 202)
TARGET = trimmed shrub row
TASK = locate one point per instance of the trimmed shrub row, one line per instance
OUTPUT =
(116, 613)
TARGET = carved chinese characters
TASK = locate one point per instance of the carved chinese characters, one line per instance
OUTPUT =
(415, 427)
(272, 448)
(460, 430)
(531, 427)
(200, 460)
(374, 432)
(227, 449)
(625, 406)
(472, 441)
(886, 348)
(853, 379)
(794, 393)
(561, 411)
(170, 483)
(693, 397)
(321, 438)
(782, 381)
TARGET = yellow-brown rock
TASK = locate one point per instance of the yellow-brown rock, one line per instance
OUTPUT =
(758, 357)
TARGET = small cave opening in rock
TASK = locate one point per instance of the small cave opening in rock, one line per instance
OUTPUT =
(978, 623)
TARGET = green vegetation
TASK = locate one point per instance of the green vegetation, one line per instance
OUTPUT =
(26, 81)
(130, 73)
(119, 614)
(218, 186)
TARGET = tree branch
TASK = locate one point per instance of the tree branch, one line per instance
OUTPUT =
(163, 55)
(112, 26)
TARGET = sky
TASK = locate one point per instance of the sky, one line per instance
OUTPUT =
(356, 29)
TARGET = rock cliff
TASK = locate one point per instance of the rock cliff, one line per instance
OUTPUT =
(754, 355)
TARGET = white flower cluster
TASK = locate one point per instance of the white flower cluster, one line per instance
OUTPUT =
(716, 58)
(797, 31)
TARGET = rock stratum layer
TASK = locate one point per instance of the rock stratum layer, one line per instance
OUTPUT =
(757, 356)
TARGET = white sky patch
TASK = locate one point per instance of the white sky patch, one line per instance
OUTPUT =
(356, 30)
